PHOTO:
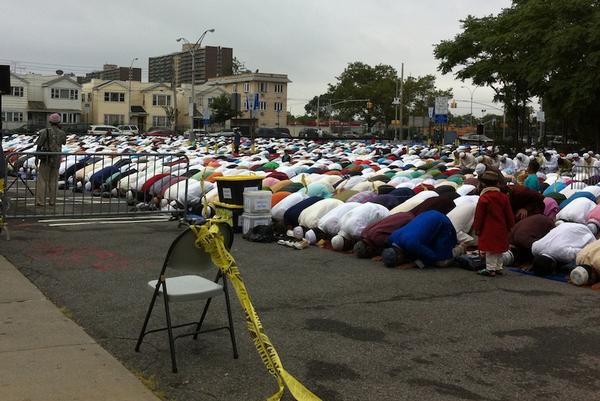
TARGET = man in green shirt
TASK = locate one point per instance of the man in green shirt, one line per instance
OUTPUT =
(50, 139)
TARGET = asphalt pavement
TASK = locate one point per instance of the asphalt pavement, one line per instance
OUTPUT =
(348, 329)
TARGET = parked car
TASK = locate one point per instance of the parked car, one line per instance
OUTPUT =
(222, 133)
(283, 132)
(198, 131)
(78, 128)
(103, 130)
(273, 133)
(129, 129)
(160, 132)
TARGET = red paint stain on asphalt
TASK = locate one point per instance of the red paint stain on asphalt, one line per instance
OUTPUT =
(97, 258)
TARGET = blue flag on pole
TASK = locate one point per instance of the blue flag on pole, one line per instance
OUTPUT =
(256, 101)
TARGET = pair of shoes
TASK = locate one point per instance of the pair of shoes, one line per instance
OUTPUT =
(419, 264)
(486, 272)
(40, 204)
(301, 244)
(500, 272)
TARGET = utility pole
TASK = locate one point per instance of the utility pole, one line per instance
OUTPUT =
(396, 115)
(401, 104)
(329, 118)
(174, 86)
(318, 108)
(541, 120)
(129, 91)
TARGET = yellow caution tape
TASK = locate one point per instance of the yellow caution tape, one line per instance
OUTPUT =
(210, 238)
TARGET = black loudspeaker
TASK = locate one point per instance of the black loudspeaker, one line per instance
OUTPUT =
(4, 79)
(479, 129)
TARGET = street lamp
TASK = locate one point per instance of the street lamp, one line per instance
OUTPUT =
(471, 92)
(129, 90)
(192, 50)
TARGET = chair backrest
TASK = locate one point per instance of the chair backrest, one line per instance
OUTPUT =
(184, 255)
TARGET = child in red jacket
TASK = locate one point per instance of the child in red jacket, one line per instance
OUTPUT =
(493, 221)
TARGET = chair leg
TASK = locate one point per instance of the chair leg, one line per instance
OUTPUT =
(169, 328)
(204, 311)
(230, 318)
(145, 325)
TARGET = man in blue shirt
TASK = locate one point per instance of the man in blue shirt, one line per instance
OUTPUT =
(430, 238)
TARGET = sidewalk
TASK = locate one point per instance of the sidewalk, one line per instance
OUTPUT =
(45, 356)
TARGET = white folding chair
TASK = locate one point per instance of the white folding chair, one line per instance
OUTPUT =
(184, 256)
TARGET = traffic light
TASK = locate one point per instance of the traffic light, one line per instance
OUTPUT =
(369, 104)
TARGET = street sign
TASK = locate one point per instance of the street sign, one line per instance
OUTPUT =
(441, 105)
(431, 112)
(441, 118)
(396, 101)
(541, 117)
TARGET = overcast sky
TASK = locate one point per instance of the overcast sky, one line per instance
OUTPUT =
(310, 40)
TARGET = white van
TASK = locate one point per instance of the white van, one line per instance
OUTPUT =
(129, 129)
(103, 130)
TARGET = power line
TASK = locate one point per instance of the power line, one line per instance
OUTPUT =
(48, 64)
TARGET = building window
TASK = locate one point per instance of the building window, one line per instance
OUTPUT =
(114, 96)
(161, 100)
(16, 91)
(234, 88)
(262, 87)
(69, 118)
(210, 101)
(279, 88)
(57, 93)
(12, 116)
(263, 105)
(246, 87)
(160, 121)
(278, 106)
(89, 97)
(114, 119)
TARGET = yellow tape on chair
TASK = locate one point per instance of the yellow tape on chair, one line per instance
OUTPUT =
(209, 237)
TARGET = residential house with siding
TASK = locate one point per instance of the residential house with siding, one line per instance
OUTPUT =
(34, 97)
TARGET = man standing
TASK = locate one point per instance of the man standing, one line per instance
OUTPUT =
(50, 140)
(237, 138)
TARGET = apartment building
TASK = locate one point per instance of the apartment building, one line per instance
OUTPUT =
(113, 72)
(144, 104)
(34, 97)
(263, 97)
(210, 62)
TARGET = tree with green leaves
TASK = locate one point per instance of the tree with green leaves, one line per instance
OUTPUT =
(221, 109)
(376, 84)
(237, 66)
(544, 49)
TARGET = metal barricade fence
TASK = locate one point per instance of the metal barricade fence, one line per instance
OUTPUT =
(584, 176)
(95, 184)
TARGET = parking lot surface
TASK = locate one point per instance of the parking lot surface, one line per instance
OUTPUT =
(348, 329)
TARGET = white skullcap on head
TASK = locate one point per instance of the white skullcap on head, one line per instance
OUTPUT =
(480, 169)
(586, 156)
(311, 237)
(298, 232)
(461, 155)
(579, 276)
(337, 242)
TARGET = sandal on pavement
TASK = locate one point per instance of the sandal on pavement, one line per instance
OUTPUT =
(486, 272)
